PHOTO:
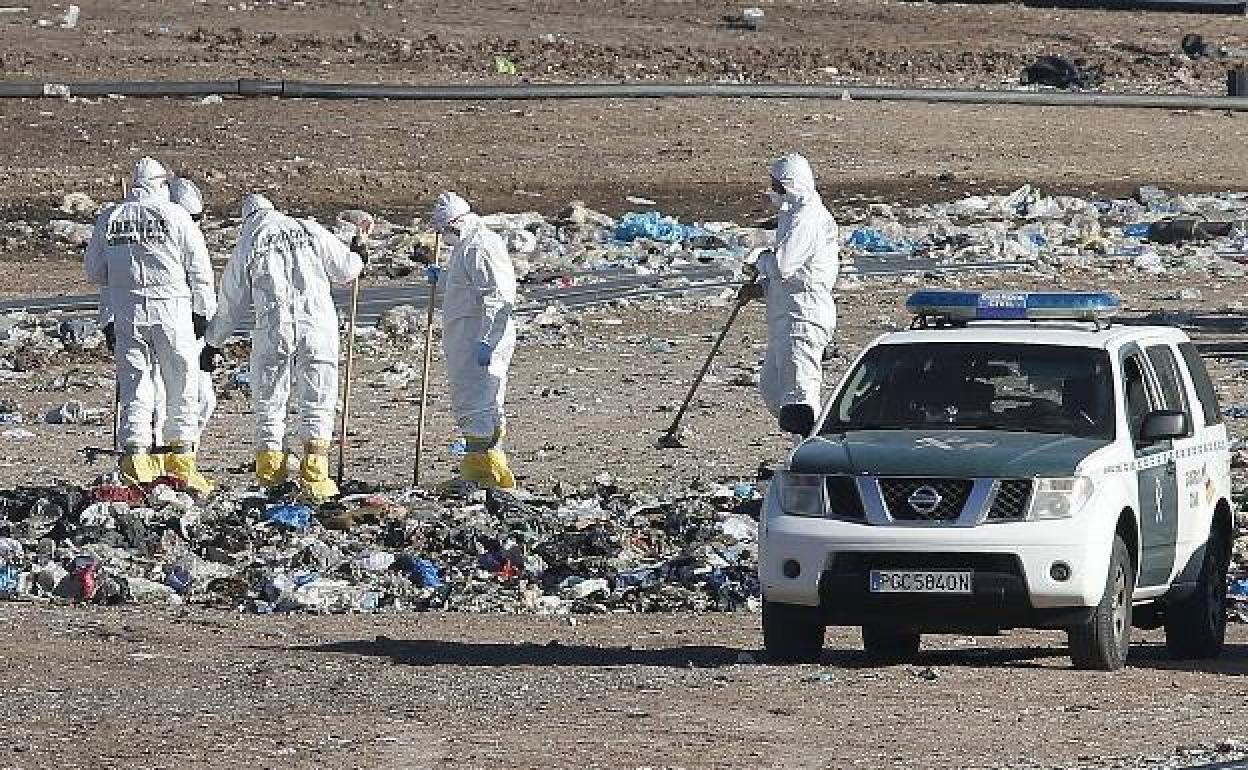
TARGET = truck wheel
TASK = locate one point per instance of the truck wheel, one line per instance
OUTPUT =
(1102, 642)
(791, 634)
(1196, 625)
(886, 643)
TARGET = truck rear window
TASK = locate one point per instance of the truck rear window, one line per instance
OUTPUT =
(1204, 386)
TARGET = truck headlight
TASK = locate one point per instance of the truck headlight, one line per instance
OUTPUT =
(802, 494)
(1059, 498)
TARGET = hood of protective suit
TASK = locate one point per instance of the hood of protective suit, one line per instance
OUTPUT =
(149, 175)
(253, 202)
(793, 171)
(183, 192)
(447, 209)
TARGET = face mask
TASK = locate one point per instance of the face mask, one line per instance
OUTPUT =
(776, 198)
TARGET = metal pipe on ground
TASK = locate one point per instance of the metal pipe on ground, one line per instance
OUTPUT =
(299, 89)
(151, 88)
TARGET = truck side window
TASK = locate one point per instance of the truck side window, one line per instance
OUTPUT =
(1136, 394)
(1173, 393)
(1204, 386)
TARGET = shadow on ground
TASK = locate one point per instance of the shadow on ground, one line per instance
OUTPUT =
(1233, 661)
(425, 652)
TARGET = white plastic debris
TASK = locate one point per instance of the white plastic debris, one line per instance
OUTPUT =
(69, 19)
(79, 204)
(67, 231)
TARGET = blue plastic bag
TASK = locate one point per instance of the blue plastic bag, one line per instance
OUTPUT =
(873, 241)
(10, 579)
(655, 227)
(424, 574)
(179, 579)
(297, 517)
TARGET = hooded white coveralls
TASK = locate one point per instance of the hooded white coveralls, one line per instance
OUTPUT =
(283, 269)
(478, 306)
(184, 193)
(800, 275)
(149, 259)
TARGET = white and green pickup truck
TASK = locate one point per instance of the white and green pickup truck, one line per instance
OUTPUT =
(1013, 460)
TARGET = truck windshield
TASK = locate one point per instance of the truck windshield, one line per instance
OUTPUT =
(984, 386)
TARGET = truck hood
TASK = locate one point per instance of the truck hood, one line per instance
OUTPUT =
(944, 453)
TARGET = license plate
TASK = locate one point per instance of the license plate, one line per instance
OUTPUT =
(888, 581)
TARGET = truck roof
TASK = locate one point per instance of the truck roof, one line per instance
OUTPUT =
(1069, 334)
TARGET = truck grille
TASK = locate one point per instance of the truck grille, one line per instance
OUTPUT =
(1010, 500)
(844, 502)
(925, 499)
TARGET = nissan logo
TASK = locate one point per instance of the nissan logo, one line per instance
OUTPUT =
(924, 499)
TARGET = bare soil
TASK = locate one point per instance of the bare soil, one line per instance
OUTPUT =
(90, 688)
(133, 688)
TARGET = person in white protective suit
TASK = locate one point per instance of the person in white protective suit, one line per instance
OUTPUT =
(283, 268)
(478, 336)
(183, 192)
(151, 264)
(797, 277)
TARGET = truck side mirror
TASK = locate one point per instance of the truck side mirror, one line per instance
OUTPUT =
(797, 418)
(1163, 425)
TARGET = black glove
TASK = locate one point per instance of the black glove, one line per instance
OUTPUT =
(110, 336)
(422, 254)
(360, 246)
(208, 358)
(750, 291)
(200, 322)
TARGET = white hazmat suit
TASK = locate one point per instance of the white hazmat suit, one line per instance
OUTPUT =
(283, 269)
(800, 275)
(152, 267)
(478, 336)
(183, 192)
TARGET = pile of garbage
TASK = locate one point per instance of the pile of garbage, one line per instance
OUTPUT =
(594, 549)
(29, 342)
(1154, 231)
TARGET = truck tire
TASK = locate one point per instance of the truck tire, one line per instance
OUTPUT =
(1196, 625)
(791, 634)
(889, 644)
(1102, 642)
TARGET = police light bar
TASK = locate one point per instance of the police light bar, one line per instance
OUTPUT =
(1014, 305)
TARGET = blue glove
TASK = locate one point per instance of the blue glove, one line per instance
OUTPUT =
(485, 351)
(433, 273)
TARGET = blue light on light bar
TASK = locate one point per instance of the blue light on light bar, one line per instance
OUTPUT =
(1014, 305)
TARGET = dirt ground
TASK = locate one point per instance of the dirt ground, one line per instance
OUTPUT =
(129, 688)
(105, 688)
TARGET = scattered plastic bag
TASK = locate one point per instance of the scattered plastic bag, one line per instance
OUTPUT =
(296, 517)
(653, 226)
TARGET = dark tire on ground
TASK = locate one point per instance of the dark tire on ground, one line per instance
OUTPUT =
(791, 634)
(1102, 642)
(885, 643)
(1196, 625)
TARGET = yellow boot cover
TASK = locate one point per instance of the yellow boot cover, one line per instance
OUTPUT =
(270, 467)
(139, 467)
(180, 463)
(487, 469)
(158, 461)
(314, 471)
